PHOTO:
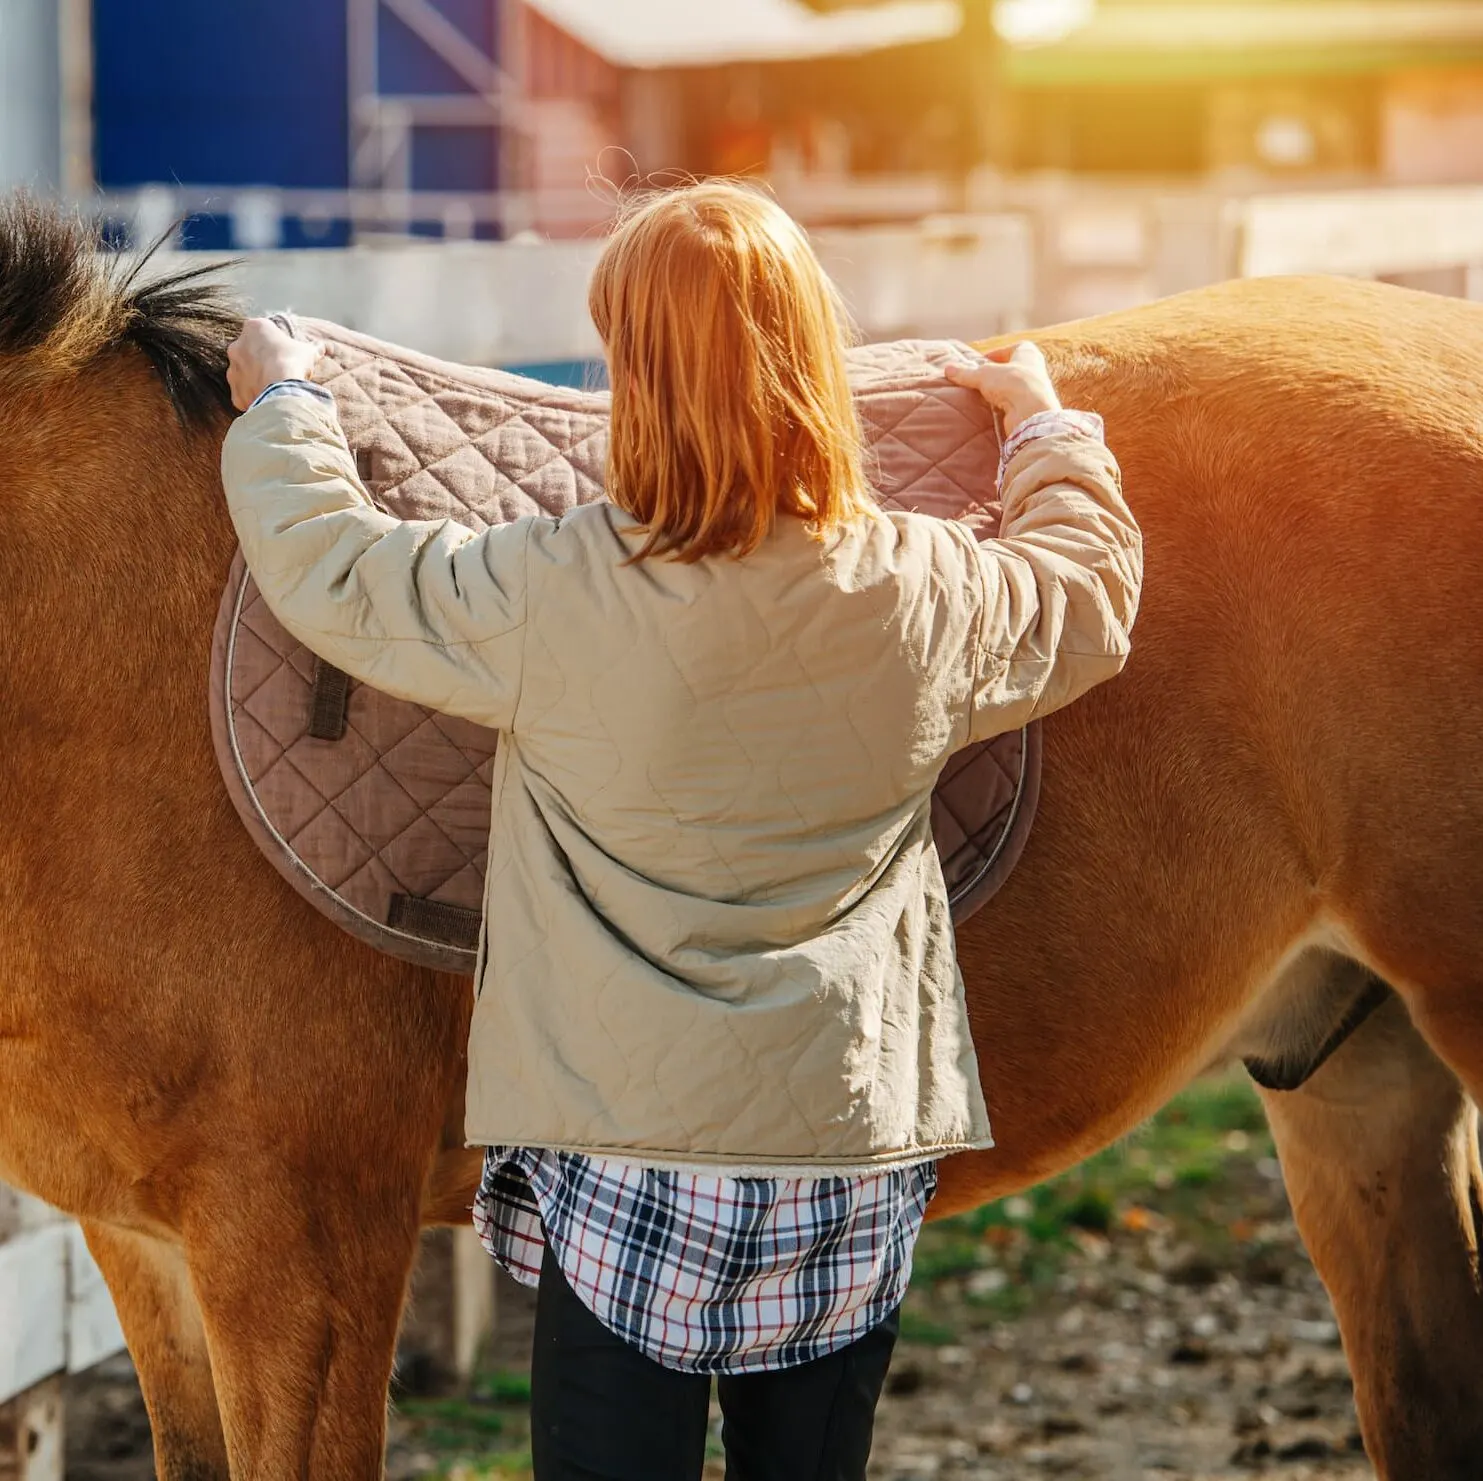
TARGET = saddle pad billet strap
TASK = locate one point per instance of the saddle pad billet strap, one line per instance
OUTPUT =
(452, 925)
(329, 702)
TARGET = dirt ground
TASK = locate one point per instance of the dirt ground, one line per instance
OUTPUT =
(1147, 1362)
(1151, 1317)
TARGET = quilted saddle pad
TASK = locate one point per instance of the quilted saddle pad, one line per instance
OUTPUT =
(378, 811)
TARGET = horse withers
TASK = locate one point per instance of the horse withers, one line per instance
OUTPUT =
(1277, 807)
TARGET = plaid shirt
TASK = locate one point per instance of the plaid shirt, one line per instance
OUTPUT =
(709, 1274)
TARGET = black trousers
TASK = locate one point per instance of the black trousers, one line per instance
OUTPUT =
(603, 1411)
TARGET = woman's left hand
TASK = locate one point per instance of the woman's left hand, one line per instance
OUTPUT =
(263, 354)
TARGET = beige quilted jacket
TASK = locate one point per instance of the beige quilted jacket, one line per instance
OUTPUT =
(716, 930)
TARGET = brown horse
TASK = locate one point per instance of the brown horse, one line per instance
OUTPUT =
(1279, 803)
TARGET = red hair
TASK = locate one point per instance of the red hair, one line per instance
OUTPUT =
(731, 403)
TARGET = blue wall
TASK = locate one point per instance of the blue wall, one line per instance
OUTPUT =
(253, 92)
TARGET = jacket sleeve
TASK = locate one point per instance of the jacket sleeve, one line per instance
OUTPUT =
(427, 611)
(1060, 585)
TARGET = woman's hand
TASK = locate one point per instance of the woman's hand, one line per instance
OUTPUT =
(265, 353)
(1014, 380)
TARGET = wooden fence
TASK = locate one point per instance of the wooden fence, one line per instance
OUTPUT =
(55, 1318)
(1102, 247)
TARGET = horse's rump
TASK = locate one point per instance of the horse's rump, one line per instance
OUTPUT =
(378, 811)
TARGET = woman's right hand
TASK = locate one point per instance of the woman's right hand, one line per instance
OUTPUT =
(1014, 380)
(265, 352)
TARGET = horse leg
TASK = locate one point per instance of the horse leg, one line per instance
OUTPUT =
(301, 1306)
(151, 1291)
(1380, 1154)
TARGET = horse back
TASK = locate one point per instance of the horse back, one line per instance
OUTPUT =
(1305, 457)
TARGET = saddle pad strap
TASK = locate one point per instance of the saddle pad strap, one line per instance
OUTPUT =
(327, 704)
(453, 925)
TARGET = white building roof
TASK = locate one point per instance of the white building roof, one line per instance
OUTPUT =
(697, 33)
(1275, 24)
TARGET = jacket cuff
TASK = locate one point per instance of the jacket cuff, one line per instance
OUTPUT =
(295, 388)
(1043, 424)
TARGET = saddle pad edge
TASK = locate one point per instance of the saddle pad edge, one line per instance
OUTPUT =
(417, 950)
(967, 902)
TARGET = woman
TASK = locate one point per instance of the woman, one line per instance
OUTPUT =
(720, 1040)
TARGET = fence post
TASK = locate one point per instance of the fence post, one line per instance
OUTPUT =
(473, 1310)
(31, 1435)
(450, 1315)
(31, 1423)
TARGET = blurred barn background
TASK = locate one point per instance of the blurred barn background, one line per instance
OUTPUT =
(439, 172)
(964, 162)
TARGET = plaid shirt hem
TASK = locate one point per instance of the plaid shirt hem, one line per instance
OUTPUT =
(709, 1274)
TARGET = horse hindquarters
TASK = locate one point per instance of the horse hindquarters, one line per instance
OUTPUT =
(1380, 1154)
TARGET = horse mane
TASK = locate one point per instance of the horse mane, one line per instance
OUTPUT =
(64, 304)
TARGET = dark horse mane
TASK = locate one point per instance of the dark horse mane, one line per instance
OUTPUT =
(65, 300)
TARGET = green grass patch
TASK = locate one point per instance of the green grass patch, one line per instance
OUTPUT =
(917, 1328)
(447, 1421)
(1178, 1165)
(502, 1388)
(478, 1437)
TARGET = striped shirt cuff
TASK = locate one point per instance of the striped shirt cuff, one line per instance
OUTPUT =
(295, 388)
(1047, 424)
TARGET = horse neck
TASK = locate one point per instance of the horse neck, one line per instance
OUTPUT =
(116, 538)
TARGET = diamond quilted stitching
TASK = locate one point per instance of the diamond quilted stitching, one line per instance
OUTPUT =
(332, 766)
(330, 848)
(435, 433)
(386, 388)
(253, 663)
(463, 815)
(378, 810)
(379, 719)
(475, 416)
(261, 623)
(466, 888)
(945, 829)
(280, 705)
(475, 741)
(423, 857)
(424, 495)
(369, 889)
(303, 663)
(978, 791)
(285, 798)
(258, 750)
(556, 484)
(390, 464)
(426, 765)
(463, 471)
